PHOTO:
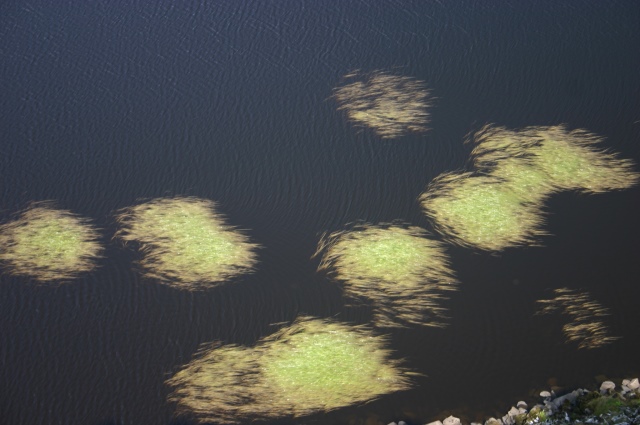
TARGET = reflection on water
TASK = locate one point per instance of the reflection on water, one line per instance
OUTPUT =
(186, 242)
(311, 366)
(585, 326)
(391, 105)
(49, 244)
(401, 271)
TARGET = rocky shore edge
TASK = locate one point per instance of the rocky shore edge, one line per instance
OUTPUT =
(609, 405)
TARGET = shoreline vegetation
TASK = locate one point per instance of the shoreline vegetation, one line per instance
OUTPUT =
(610, 404)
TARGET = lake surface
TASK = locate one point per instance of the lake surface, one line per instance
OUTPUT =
(106, 103)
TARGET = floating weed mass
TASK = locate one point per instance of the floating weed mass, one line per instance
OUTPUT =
(482, 211)
(571, 160)
(186, 243)
(324, 365)
(49, 244)
(398, 268)
(391, 105)
(585, 327)
(220, 385)
(527, 181)
(311, 366)
(502, 207)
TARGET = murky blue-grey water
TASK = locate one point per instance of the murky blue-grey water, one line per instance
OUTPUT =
(104, 103)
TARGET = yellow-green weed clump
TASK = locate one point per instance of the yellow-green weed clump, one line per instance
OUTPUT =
(217, 385)
(524, 179)
(390, 105)
(501, 205)
(398, 268)
(482, 211)
(586, 326)
(311, 366)
(49, 244)
(571, 160)
(186, 243)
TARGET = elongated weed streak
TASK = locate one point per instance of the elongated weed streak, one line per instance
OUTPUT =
(585, 326)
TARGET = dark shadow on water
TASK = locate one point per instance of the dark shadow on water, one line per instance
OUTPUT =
(182, 421)
(186, 421)
(176, 421)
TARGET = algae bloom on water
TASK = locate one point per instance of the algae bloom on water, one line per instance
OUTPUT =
(49, 244)
(311, 366)
(397, 267)
(186, 243)
(570, 160)
(502, 207)
(483, 212)
(390, 105)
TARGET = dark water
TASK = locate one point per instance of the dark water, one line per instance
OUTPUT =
(103, 103)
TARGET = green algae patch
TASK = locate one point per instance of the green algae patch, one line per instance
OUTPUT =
(49, 244)
(186, 243)
(494, 144)
(321, 365)
(402, 255)
(218, 384)
(524, 179)
(571, 160)
(483, 212)
(311, 366)
(501, 204)
(391, 105)
(397, 267)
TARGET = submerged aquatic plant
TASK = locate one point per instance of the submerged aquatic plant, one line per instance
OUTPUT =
(391, 105)
(186, 242)
(398, 268)
(311, 366)
(49, 244)
(586, 326)
(571, 160)
(483, 212)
